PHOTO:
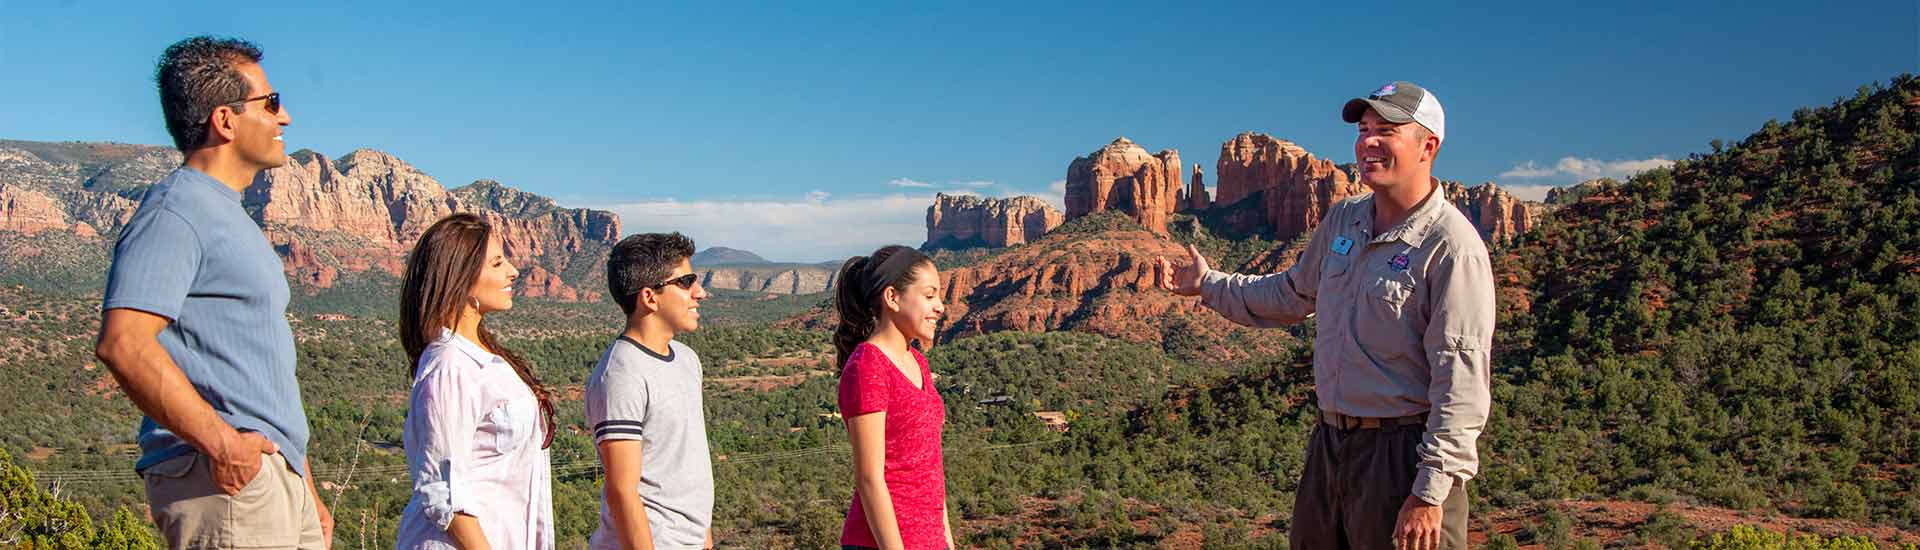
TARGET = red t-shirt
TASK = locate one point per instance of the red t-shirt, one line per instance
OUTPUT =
(916, 477)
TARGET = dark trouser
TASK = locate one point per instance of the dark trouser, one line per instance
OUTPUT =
(1354, 484)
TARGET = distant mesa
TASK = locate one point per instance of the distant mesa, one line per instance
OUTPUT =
(720, 255)
(1123, 176)
(967, 221)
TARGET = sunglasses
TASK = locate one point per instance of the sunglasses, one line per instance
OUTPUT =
(273, 102)
(685, 282)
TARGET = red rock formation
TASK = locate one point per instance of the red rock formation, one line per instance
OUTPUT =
(1195, 198)
(537, 282)
(1498, 214)
(359, 213)
(1296, 188)
(30, 211)
(1123, 176)
(368, 209)
(959, 221)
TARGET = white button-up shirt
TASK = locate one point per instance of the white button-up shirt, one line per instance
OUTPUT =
(473, 438)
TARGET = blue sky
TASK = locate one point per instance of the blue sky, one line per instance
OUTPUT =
(807, 132)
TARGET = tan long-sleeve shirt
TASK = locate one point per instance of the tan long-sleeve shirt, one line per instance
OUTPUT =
(1405, 324)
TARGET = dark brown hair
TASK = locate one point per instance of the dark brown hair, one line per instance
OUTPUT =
(643, 260)
(440, 276)
(197, 75)
(862, 282)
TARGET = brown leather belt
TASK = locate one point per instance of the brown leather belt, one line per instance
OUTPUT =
(1345, 422)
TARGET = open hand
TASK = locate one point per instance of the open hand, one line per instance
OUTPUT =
(1418, 527)
(1184, 279)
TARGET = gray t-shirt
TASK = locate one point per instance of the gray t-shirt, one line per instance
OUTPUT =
(636, 394)
(191, 254)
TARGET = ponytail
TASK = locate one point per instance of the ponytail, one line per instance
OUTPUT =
(857, 317)
(859, 287)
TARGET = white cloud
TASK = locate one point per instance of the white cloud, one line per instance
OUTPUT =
(1529, 192)
(817, 226)
(1574, 169)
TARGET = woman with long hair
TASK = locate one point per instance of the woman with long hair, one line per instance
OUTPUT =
(478, 421)
(889, 306)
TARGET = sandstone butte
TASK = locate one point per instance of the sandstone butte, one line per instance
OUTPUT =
(962, 221)
(1123, 176)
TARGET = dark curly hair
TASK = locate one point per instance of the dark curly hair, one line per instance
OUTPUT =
(195, 76)
(643, 260)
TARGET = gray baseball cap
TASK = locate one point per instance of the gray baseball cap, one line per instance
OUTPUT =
(1401, 102)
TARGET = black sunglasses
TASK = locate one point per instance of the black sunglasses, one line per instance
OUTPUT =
(273, 102)
(685, 282)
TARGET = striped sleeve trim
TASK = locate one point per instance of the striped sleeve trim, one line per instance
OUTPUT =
(617, 429)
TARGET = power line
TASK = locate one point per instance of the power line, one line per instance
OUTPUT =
(572, 467)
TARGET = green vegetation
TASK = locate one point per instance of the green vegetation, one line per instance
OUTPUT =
(33, 518)
(1737, 331)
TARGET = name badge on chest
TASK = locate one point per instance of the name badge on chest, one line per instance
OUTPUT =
(1342, 245)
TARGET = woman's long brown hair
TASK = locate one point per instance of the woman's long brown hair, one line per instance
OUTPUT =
(440, 276)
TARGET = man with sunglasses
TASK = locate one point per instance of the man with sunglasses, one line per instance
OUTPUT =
(194, 324)
(643, 399)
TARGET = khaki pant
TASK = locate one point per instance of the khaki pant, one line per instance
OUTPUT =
(274, 510)
(1354, 484)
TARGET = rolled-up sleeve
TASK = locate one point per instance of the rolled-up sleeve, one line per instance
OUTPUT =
(1459, 342)
(1269, 301)
(442, 419)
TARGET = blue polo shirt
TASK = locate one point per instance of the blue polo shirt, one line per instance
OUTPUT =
(191, 254)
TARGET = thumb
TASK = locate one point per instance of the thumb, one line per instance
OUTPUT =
(1194, 252)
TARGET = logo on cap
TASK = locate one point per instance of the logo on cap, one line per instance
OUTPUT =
(1386, 90)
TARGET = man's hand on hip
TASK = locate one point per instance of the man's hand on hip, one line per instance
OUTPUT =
(237, 458)
(1418, 527)
(1184, 279)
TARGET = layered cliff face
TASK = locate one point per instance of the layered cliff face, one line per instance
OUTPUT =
(963, 221)
(1294, 188)
(1123, 176)
(326, 217)
(1496, 213)
(769, 279)
(44, 190)
(365, 210)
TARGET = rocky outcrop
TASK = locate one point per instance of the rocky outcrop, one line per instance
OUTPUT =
(326, 217)
(772, 279)
(1194, 197)
(1498, 214)
(1123, 176)
(1562, 196)
(1294, 188)
(1092, 281)
(964, 221)
(365, 210)
(40, 194)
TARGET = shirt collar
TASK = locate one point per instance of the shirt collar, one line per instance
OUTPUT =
(1414, 229)
(192, 174)
(480, 355)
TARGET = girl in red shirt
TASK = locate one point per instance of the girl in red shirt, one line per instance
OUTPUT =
(889, 305)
